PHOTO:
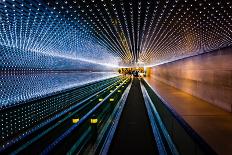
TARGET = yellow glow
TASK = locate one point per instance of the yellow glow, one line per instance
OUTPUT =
(111, 99)
(111, 91)
(93, 120)
(119, 91)
(100, 99)
(75, 120)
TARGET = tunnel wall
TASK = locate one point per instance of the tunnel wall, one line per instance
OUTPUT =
(206, 76)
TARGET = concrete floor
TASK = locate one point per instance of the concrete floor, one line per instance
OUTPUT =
(213, 124)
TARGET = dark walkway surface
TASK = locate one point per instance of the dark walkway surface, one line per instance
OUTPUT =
(134, 134)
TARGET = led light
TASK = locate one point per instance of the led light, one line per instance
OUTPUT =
(80, 35)
(93, 120)
(21, 86)
(100, 99)
(75, 120)
(111, 99)
(42, 109)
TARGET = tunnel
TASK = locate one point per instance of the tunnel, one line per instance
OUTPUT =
(116, 77)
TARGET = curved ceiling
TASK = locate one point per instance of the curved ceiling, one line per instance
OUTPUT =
(152, 32)
(116, 32)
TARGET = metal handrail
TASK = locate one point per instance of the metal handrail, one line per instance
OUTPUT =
(57, 116)
(80, 122)
(117, 115)
(153, 114)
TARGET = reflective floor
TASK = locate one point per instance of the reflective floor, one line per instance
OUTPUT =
(19, 88)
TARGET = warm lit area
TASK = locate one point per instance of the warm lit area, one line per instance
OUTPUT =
(136, 71)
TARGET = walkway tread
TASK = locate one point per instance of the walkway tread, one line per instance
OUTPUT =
(134, 134)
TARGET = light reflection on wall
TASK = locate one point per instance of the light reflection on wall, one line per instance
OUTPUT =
(23, 87)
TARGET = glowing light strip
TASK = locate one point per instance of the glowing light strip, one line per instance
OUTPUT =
(147, 32)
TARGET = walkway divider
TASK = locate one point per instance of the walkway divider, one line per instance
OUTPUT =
(156, 121)
(117, 113)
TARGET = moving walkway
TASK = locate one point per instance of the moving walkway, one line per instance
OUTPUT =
(50, 115)
(115, 116)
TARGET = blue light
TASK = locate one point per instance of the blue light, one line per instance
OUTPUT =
(37, 39)
(22, 87)
(34, 36)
